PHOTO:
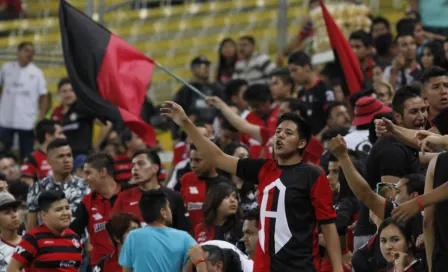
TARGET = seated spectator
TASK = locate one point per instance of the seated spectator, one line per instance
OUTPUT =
(252, 66)
(227, 60)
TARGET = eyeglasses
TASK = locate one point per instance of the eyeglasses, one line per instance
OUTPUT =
(380, 185)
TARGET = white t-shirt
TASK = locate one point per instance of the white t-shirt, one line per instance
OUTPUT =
(19, 102)
(6, 252)
(358, 140)
(247, 265)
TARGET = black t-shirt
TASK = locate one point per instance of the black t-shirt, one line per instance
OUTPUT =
(77, 125)
(247, 199)
(317, 99)
(441, 122)
(388, 157)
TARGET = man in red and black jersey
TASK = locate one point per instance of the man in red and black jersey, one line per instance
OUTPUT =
(95, 208)
(51, 246)
(145, 170)
(123, 162)
(35, 167)
(313, 90)
(118, 226)
(294, 196)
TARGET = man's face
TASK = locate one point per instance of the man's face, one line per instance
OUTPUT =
(279, 90)
(238, 100)
(379, 29)
(287, 140)
(93, 177)
(401, 192)
(67, 95)
(61, 160)
(415, 114)
(250, 238)
(3, 186)
(340, 117)
(143, 170)
(199, 164)
(419, 34)
(436, 92)
(58, 215)
(10, 218)
(333, 175)
(298, 73)
(135, 143)
(168, 215)
(7, 168)
(262, 109)
(26, 54)
(360, 50)
(202, 71)
(226, 137)
(245, 48)
(407, 47)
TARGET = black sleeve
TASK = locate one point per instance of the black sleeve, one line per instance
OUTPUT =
(344, 214)
(441, 122)
(361, 259)
(181, 218)
(248, 169)
(81, 219)
(388, 207)
(394, 161)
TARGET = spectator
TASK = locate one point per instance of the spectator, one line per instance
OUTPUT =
(227, 60)
(7, 168)
(435, 92)
(384, 92)
(23, 97)
(67, 97)
(222, 215)
(338, 117)
(252, 66)
(230, 255)
(35, 167)
(3, 183)
(379, 26)
(227, 135)
(377, 73)
(169, 247)
(405, 68)
(60, 159)
(385, 50)
(416, 28)
(434, 55)
(250, 230)
(52, 245)
(9, 225)
(410, 108)
(235, 90)
(282, 85)
(312, 90)
(145, 170)
(362, 44)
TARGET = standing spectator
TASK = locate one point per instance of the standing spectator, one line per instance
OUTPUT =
(250, 230)
(123, 162)
(227, 60)
(145, 170)
(60, 159)
(282, 85)
(67, 97)
(9, 225)
(252, 66)
(35, 167)
(435, 93)
(362, 45)
(169, 247)
(52, 245)
(95, 208)
(379, 26)
(312, 90)
(118, 227)
(23, 97)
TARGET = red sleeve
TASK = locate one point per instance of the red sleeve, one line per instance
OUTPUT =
(322, 200)
(26, 251)
(178, 152)
(266, 134)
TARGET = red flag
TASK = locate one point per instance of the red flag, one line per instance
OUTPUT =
(109, 76)
(345, 58)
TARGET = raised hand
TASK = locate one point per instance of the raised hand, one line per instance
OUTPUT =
(174, 112)
(384, 127)
(338, 146)
(405, 210)
(215, 101)
(429, 141)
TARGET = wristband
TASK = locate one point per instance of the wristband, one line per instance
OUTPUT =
(198, 262)
(419, 203)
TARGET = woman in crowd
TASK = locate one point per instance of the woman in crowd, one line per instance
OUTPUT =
(223, 216)
(227, 60)
(384, 92)
(433, 55)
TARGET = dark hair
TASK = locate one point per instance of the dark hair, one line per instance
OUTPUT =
(47, 198)
(331, 106)
(56, 143)
(229, 258)
(379, 20)
(406, 26)
(417, 15)
(382, 44)
(118, 224)
(150, 204)
(253, 215)
(230, 148)
(63, 81)
(362, 36)
(258, 93)
(432, 72)
(125, 136)
(333, 132)
(19, 190)
(23, 44)
(215, 196)
(404, 229)
(436, 49)
(101, 160)
(45, 126)
(248, 38)
(233, 87)
(332, 158)
(2, 176)
(400, 97)
(371, 126)
(296, 105)
(416, 183)
(152, 156)
(285, 76)
(300, 58)
(303, 129)
(228, 126)
(222, 63)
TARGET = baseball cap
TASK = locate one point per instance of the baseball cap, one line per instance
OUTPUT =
(7, 200)
(366, 108)
(200, 60)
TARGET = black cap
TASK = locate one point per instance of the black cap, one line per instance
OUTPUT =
(200, 60)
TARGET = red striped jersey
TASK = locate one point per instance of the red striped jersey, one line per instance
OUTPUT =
(35, 165)
(123, 168)
(44, 251)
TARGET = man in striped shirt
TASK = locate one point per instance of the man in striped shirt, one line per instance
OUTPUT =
(51, 246)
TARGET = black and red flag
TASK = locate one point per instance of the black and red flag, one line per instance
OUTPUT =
(345, 58)
(109, 76)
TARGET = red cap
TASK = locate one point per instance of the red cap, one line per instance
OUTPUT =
(366, 107)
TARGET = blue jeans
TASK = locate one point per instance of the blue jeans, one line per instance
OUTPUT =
(26, 139)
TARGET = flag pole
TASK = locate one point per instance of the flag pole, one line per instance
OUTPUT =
(191, 87)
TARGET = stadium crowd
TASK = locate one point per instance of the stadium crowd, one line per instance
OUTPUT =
(274, 168)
